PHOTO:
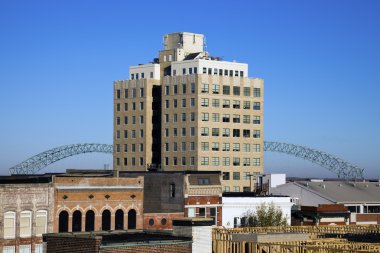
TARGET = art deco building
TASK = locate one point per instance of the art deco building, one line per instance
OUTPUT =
(187, 110)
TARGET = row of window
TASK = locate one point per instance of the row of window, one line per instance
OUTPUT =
(130, 93)
(134, 161)
(133, 133)
(133, 104)
(227, 161)
(215, 146)
(205, 116)
(38, 248)
(236, 175)
(25, 224)
(133, 147)
(210, 212)
(226, 132)
(133, 120)
(142, 75)
(177, 161)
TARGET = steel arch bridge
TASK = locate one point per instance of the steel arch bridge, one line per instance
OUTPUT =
(334, 164)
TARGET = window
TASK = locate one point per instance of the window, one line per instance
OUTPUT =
(126, 107)
(183, 71)
(215, 161)
(190, 71)
(204, 146)
(192, 102)
(166, 117)
(41, 222)
(134, 106)
(192, 88)
(202, 212)
(184, 103)
(209, 71)
(246, 105)
(236, 161)
(167, 104)
(141, 106)
(183, 117)
(256, 161)
(215, 117)
(117, 147)
(183, 131)
(226, 118)
(246, 175)
(24, 249)
(9, 225)
(117, 120)
(117, 134)
(192, 116)
(204, 88)
(236, 176)
(118, 107)
(256, 92)
(247, 91)
(191, 212)
(172, 190)
(175, 162)
(125, 134)
(141, 119)
(167, 90)
(246, 162)
(192, 161)
(134, 92)
(231, 72)
(25, 224)
(241, 73)
(183, 148)
(225, 161)
(236, 73)
(38, 248)
(175, 89)
(215, 147)
(133, 133)
(246, 133)
(236, 133)
(236, 188)
(256, 147)
(226, 72)
(236, 104)
(220, 72)
(215, 132)
(256, 133)
(204, 160)
(125, 161)
(225, 146)
(204, 131)
(166, 146)
(133, 147)
(246, 119)
(184, 88)
(226, 90)
(175, 103)
(205, 116)
(133, 119)
(256, 106)
(118, 94)
(246, 147)
(204, 71)
(151, 74)
(141, 147)
(215, 71)
(125, 147)
(215, 89)
(166, 161)
(195, 70)
(175, 132)
(256, 120)
(236, 118)
(203, 181)
(204, 102)
(226, 103)
(236, 147)
(226, 176)
(226, 132)
(226, 188)
(166, 132)
(215, 103)
(192, 146)
(236, 90)
(141, 92)
(175, 117)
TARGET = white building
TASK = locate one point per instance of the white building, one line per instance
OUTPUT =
(236, 204)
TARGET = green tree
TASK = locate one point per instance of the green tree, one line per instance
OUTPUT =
(266, 215)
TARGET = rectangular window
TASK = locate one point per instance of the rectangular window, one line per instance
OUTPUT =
(226, 118)
(209, 71)
(226, 176)
(183, 160)
(117, 134)
(202, 212)
(236, 147)
(231, 73)
(192, 146)
(133, 119)
(192, 161)
(236, 176)
(226, 132)
(225, 146)
(247, 91)
(236, 133)
(126, 107)
(118, 94)
(192, 102)
(175, 103)
(225, 161)
(125, 161)
(236, 161)
(204, 102)
(236, 118)
(175, 132)
(141, 106)
(204, 70)
(175, 117)
(118, 107)
(215, 71)
(125, 147)
(9, 225)
(204, 131)
(204, 160)
(246, 175)
(125, 134)
(192, 88)
(117, 120)
(215, 117)
(190, 71)
(141, 92)
(226, 189)
(167, 90)
(220, 72)
(215, 161)
(226, 103)
(246, 147)
(141, 119)
(184, 103)
(236, 91)
(256, 120)
(195, 70)
(141, 133)
(246, 105)
(126, 120)
(226, 90)
(166, 117)
(216, 103)
(256, 106)
(166, 161)
(142, 75)
(215, 132)
(134, 106)
(246, 133)
(256, 148)
(166, 146)
(192, 116)
(215, 146)
(204, 146)
(175, 89)
(25, 224)
(183, 71)
(183, 117)
(246, 162)
(236, 73)
(256, 133)
(133, 147)
(175, 161)
(134, 92)
(167, 104)
(183, 146)
(256, 161)
(236, 104)
(38, 248)
(236, 188)
(183, 131)
(204, 116)
(24, 249)
(204, 88)
(215, 89)
(184, 88)
(246, 119)
(256, 92)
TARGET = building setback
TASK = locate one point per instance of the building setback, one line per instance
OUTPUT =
(187, 110)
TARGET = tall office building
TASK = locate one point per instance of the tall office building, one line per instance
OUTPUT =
(187, 110)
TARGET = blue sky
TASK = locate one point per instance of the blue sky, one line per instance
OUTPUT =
(320, 61)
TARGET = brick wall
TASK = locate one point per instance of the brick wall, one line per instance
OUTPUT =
(169, 248)
(61, 244)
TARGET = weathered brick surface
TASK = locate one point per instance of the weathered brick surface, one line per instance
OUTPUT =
(171, 248)
(60, 244)
(157, 218)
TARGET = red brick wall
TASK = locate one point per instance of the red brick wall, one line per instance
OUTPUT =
(157, 217)
(60, 244)
(205, 201)
(174, 248)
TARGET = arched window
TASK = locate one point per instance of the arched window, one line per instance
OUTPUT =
(119, 220)
(25, 224)
(77, 221)
(41, 222)
(90, 221)
(132, 219)
(106, 220)
(63, 222)
(9, 225)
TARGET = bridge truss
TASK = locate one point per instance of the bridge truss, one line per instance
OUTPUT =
(336, 165)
